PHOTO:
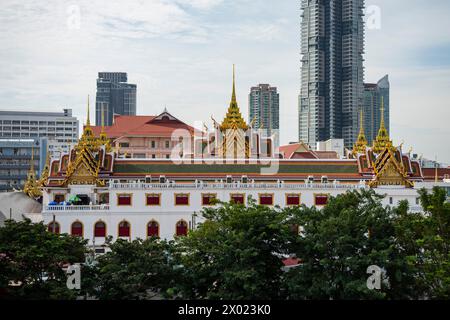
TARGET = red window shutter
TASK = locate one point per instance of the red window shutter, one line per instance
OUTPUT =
(208, 199)
(321, 200)
(153, 200)
(266, 200)
(50, 227)
(182, 200)
(181, 229)
(293, 200)
(237, 198)
(77, 229)
(124, 229)
(153, 229)
(124, 200)
(100, 230)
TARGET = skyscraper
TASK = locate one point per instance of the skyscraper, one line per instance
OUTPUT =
(114, 96)
(332, 74)
(264, 109)
(373, 93)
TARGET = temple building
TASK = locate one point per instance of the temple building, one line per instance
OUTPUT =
(94, 191)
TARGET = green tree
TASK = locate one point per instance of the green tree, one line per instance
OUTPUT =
(133, 271)
(435, 244)
(33, 259)
(235, 254)
(337, 245)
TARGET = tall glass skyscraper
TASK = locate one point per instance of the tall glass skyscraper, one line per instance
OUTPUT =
(373, 93)
(332, 73)
(114, 96)
(264, 109)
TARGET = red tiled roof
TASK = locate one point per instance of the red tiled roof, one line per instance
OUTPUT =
(290, 152)
(142, 126)
(430, 173)
(290, 262)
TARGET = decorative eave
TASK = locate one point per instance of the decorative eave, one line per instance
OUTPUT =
(388, 171)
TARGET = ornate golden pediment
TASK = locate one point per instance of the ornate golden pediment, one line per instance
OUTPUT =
(389, 172)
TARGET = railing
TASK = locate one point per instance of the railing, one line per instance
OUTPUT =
(233, 186)
(103, 207)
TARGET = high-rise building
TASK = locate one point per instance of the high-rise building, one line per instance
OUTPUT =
(374, 93)
(264, 109)
(114, 96)
(21, 132)
(332, 73)
(15, 161)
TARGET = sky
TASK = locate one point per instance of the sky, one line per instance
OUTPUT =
(180, 54)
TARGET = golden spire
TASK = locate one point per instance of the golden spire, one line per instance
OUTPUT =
(233, 119)
(361, 143)
(31, 187)
(382, 141)
(88, 121)
(233, 95)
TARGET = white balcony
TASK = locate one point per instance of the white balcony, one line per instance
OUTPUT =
(61, 208)
(232, 186)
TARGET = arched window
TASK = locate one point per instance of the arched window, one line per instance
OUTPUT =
(100, 230)
(153, 229)
(77, 229)
(182, 228)
(124, 229)
(53, 227)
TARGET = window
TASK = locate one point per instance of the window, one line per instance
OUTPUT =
(153, 144)
(295, 229)
(77, 229)
(167, 156)
(124, 145)
(124, 229)
(53, 227)
(100, 230)
(292, 199)
(153, 156)
(391, 200)
(238, 198)
(59, 198)
(153, 199)
(167, 144)
(266, 199)
(181, 199)
(103, 198)
(417, 201)
(153, 229)
(124, 199)
(181, 228)
(209, 199)
(320, 199)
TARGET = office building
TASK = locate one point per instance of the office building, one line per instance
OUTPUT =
(264, 109)
(22, 131)
(332, 73)
(374, 93)
(114, 97)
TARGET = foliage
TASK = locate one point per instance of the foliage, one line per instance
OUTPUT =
(33, 259)
(338, 244)
(132, 270)
(235, 254)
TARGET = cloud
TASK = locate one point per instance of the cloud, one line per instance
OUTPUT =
(180, 52)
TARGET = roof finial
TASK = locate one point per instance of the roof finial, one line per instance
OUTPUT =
(382, 112)
(103, 120)
(361, 142)
(88, 122)
(32, 159)
(233, 96)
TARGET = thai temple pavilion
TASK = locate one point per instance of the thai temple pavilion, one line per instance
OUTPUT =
(95, 191)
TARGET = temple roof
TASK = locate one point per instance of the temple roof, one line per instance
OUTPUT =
(233, 118)
(143, 126)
